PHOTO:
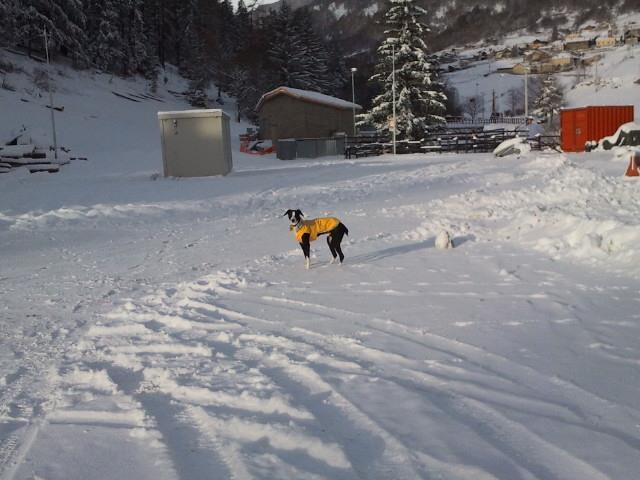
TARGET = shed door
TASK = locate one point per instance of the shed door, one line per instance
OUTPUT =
(581, 129)
(568, 130)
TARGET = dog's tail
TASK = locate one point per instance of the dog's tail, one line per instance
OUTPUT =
(344, 229)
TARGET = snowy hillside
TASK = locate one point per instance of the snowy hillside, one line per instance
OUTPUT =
(358, 24)
(157, 328)
(614, 79)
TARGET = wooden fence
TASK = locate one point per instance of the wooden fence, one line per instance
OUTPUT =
(469, 140)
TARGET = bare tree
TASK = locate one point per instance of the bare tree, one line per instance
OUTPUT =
(472, 106)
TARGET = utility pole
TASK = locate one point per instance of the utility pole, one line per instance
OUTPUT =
(50, 79)
(393, 89)
(494, 112)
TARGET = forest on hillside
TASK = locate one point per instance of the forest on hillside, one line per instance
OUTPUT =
(242, 53)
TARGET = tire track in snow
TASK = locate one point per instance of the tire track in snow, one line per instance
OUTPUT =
(246, 318)
(589, 407)
(507, 369)
(157, 394)
(344, 420)
(400, 454)
(450, 391)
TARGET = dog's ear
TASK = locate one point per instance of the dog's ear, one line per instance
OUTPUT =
(288, 213)
(299, 212)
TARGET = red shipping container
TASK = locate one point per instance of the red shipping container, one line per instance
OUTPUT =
(581, 125)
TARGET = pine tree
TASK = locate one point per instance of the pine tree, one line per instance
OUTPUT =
(244, 17)
(244, 89)
(338, 73)
(106, 46)
(287, 55)
(64, 21)
(136, 57)
(315, 56)
(119, 38)
(9, 11)
(419, 104)
(179, 27)
(549, 100)
(227, 43)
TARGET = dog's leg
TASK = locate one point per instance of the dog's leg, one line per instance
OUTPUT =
(306, 249)
(336, 239)
(331, 249)
(339, 250)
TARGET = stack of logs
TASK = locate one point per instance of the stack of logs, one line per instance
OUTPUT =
(29, 156)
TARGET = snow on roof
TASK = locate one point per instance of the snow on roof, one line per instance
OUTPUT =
(199, 113)
(578, 39)
(308, 96)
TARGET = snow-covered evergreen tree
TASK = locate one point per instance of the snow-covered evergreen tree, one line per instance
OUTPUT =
(315, 56)
(200, 76)
(9, 12)
(179, 19)
(338, 72)
(136, 56)
(419, 104)
(245, 91)
(65, 22)
(549, 100)
(286, 53)
(106, 45)
(119, 39)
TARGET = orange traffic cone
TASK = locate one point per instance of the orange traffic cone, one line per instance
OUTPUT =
(632, 169)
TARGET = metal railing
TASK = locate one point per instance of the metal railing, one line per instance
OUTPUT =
(292, 149)
(486, 121)
(468, 140)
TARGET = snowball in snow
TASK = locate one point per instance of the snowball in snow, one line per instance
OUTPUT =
(512, 146)
(444, 241)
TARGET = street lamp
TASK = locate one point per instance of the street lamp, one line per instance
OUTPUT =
(526, 92)
(353, 97)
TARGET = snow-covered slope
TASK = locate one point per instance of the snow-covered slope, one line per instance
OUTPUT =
(162, 328)
(613, 80)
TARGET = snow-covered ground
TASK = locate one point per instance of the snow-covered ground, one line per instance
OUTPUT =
(164, 328)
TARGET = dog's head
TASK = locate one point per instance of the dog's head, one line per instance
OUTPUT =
(295, 216)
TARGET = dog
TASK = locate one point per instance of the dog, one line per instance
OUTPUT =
(307, 231)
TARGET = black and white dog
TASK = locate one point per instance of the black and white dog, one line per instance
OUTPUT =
(309, 230)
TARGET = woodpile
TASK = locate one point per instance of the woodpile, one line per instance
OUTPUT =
(29, 156)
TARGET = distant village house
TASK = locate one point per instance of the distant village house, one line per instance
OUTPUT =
(577, 43)
(632, 36)
(536, 44)
(562, 61)
(605, 42)
(537, 56)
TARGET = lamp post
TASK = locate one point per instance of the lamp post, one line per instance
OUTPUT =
(353, 97)
(526, 92)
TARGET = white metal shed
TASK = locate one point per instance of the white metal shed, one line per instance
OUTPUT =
(195, 143)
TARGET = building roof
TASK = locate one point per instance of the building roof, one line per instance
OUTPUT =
(308, 96)
(577, 40)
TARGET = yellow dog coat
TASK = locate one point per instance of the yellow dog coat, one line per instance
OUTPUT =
(315, 227)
